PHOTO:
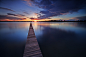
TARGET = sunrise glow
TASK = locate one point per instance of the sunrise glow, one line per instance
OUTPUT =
(37, 10)
(35, 20)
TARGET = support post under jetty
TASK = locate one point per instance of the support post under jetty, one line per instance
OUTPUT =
(32, 48)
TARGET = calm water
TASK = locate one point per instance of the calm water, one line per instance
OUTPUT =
(56, 39)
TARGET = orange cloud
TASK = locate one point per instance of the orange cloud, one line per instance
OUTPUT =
(36, 14)
(28, 2)
(9, 18)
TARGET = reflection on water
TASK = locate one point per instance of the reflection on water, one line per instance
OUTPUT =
(56, 39)
(62, 39)
(61, 43)
(13, 36)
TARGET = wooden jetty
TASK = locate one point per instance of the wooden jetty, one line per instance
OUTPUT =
(32, 48)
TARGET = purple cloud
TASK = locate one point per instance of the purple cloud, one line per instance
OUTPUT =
(7, 9)
(15, 14)
(3, 17)
(32, 18)
(81, 18)
(58, 7)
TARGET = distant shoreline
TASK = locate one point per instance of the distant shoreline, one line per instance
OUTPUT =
(43, 21)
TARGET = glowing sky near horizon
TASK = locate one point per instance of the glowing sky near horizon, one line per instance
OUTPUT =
(27, 10)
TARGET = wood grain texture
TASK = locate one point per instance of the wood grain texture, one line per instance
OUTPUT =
(32, 48)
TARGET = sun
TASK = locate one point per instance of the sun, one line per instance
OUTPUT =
(35, 20)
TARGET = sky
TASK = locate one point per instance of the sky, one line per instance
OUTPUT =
(42, 10)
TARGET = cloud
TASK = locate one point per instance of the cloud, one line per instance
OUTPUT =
(3, 17)
(7, 9)
(28, 2)
(12, 14)
(81, 18)
(77, 18)
(20, 15)
(25, 12)
(36, 14)
(34, 18)
(58, 7)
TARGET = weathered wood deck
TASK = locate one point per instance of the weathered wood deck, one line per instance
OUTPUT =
(32, 48)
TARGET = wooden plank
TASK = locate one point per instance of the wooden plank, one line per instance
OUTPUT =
(32, 48)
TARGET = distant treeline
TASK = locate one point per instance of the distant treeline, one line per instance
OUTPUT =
(48, 21)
